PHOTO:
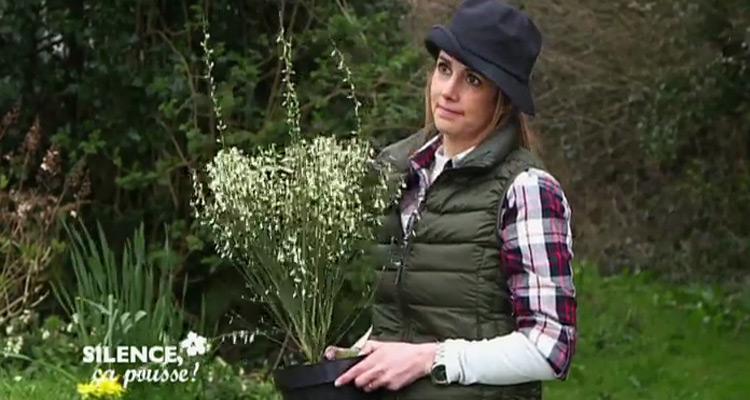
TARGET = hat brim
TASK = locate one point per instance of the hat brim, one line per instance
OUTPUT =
(519, 92)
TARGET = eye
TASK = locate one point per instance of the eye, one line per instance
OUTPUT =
(443, 68)
(473, 80)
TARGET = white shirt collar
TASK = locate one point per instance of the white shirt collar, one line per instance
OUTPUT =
(440, 154)
(440, 157)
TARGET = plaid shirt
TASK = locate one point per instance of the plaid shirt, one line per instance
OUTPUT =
(534, 222)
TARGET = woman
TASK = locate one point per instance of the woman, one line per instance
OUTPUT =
(476, 300)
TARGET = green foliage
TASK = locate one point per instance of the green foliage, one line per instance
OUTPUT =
(21, 387)
(129, 301)
(216, 380)
(119, 90)
(30, 347)
(690, 104)
(696, 126)
(641, 339)
(133, 101)
(49, 366)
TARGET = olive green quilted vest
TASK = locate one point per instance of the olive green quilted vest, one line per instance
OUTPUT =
(447, 281)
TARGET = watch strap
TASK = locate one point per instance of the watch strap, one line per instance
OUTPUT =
(438, 371)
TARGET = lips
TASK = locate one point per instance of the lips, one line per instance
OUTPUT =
(448, 110)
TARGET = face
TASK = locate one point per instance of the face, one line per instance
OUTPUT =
(462, 100)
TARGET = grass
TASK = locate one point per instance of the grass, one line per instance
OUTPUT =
(637, 340)
(49, 386)
(54, 387)
(645, 340)
(225, 385)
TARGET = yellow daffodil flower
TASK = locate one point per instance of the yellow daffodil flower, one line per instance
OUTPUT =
(101, 388)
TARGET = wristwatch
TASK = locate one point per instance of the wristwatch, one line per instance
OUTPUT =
(438, 375)
(438, 372)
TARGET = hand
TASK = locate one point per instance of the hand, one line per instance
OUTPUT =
(392, 365)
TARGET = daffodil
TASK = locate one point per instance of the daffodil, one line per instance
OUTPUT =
(101, 388)
(86, 390)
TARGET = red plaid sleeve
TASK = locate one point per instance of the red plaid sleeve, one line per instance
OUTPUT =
(536, 255)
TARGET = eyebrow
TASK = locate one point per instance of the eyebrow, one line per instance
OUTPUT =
(468, 70)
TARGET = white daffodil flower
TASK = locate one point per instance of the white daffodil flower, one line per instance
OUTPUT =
(194, 344)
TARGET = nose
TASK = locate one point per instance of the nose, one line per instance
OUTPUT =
(450, 90)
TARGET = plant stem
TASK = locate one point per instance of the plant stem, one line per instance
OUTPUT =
(278, 357)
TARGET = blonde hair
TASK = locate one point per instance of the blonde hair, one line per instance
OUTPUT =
(504, 109)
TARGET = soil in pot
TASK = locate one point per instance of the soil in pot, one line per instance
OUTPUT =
(315, 382)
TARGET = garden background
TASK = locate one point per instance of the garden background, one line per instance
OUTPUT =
(644, 116)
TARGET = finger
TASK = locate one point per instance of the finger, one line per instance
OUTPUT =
(369, 347)
(368, 377)
(346, 377)
(353, 372)
(384, 380)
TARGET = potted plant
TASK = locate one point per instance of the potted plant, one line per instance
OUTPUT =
(292, 220)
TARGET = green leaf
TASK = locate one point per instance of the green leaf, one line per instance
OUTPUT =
(194, 243)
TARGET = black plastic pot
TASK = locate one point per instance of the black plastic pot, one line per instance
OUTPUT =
(315, 382)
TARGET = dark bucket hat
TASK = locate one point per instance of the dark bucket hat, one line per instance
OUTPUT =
(496, 40)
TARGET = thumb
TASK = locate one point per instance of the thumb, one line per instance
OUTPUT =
(330, 352)
(369, 347)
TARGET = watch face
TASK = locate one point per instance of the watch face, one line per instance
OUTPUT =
(438, 374)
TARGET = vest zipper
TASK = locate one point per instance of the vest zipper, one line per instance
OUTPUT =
(405, 246)
(411, 227)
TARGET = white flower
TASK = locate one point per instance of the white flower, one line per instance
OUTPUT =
(194, 344)
(73, 323)
(45, 334)
(292, 216)
(26, 316)
(18, 378)
(13, 345)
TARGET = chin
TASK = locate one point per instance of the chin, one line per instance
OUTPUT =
(444, 127)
